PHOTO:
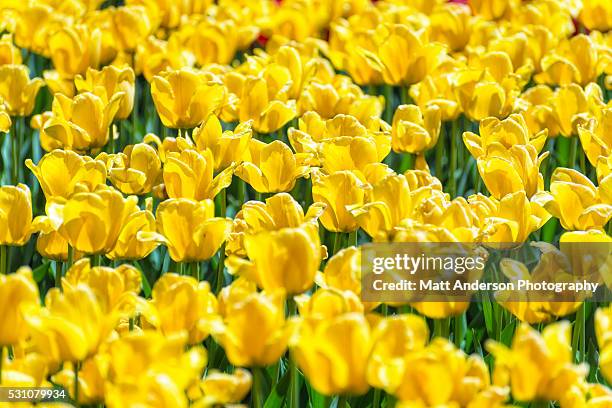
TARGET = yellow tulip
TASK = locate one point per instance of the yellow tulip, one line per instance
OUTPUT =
(278, 212)
(596, 136)
(332, 353)
(189, 229)
(57, 84)
(576, 201)
(536, 110)
(258, 103)
(107, 82)
(596, 15)
(285, 259)
(91, 379)
(74, 48)
(17, 89)
(222, 388)
(603, 331)
(537, 366)
(189, 174)
(130, 25)
(492, 9)
(243, 346)
(115, 288)
(180, 303)
(228, 146)
(508, 132)
(51, 245)
(481, 96)
(9, 54)
(5, 119)
(185, 98)
(587, 395)
(393, 339)
(129, 245)
(508, 170)
(327, 303)
(15, 215)
(571, 105)
(81, 123)
(61, 172)
(136, 170)
(451, 24)
(271, 168)
(338, 191)
(92, 222)
(437, 89)
(415, 131)
(72, 326)
(574, 60)
(18, 291)
(342, 271)
(404, 56)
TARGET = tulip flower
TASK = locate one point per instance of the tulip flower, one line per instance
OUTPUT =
(221, 388)
(342, 271)
(15, 215)
(17, 89)
(272, 168)
(74, 48)
(437, 89)
(81, 123)
(5, 119)
(415, 131)
(536, 110)
(480, 95)
(130, 25)
(571, 105)
(603, 330)
(180, 303)
(506, 171)
(136, 170)
(72, 326)
(227, 147)
(285, 259)
(185, 98)
(258, 103)
(333, 353)
(189, 174)
(574, 60)
(595, 137)
(189, 229)
(537, 366)
(491, 9)
(61, 172)
(338, 191)
(18, 292)
(91, 379)
(596, 15)
(129, 245)
(508, 132)
(451, 24)
(107, 82)
(51, 244)
(327, 303)
(576, 201)
(92, 222)
(245, 347)
(9, 54)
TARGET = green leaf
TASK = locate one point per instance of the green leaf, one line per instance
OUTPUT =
(146, 287)
(39, 273)
(278, 393)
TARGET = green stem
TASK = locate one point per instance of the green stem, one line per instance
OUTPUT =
(452, 182)
(407, 163)
(1, 361)
(70, 257)
(376, 398)
(58, 275)
(294, 389)
(258, 397)
(573, 152)
(440, 152)
(15, 151)
(195, 270)
(76, 383)
(342, 402)
(388, 93)
(563, 151)
(337, 242)
(352, 238)
(220, 269)
(3, 260)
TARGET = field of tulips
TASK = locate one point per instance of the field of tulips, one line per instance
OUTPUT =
(185, 187)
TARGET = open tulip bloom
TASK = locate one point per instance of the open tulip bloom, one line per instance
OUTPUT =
(306, 203)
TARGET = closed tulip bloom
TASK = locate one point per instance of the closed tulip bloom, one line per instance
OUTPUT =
(74, 48)
(5, 119)
(415, 131)
(393, 338)
(576, 201)
(51, 244)
(222, 388)
(333, 353)
(574, 60)
(272, 168)
(451, 24)
(352, 153)
(338, 191)
(136, 170)
(15, 215)
(131, 246)
(92, 222)
(438, 90)
(228, 146)
(327, 303)
(106, 83)
(603, 332)
(17, 89)
(190, 229)
(9, 54)
(570, 104)
(190, 174)
(180, 303)
(185, 98)
(492, 9)
(72, 326)
(596, 136)
(506, 171)
(59, 172)
(285, 259)
(596, 15)
(537, 365)
(17, 292)
(481, 97)
(81, 123)
(508, 132)
(342, 271)
(244, 346)
(258, 103)
(130, 24)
